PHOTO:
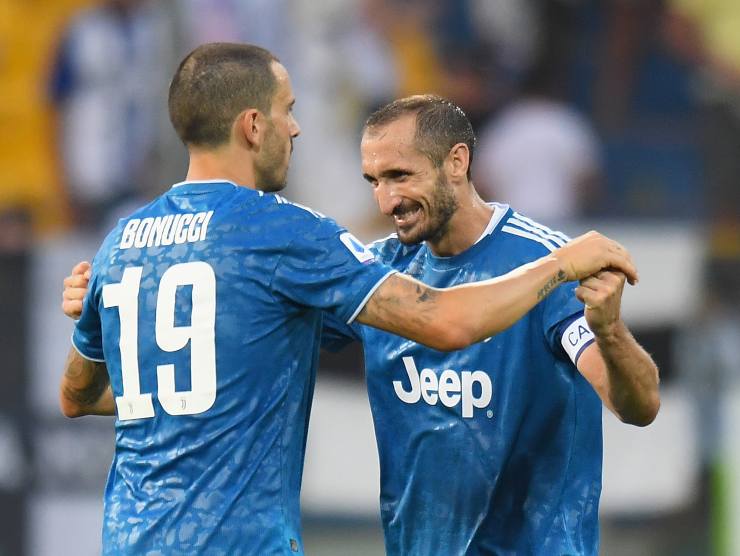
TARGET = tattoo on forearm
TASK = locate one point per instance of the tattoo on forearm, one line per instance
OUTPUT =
(85, 381)
(424, 295)
(417, 299)
(559, 278)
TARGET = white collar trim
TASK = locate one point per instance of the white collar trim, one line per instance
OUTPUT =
(496, 216)
(189, 182)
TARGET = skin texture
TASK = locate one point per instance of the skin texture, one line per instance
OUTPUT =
(271, 166)
(85, 388)
(431, 204)
(619, 369)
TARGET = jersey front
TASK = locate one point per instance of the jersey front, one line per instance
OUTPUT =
(494, 449)
(206, 306)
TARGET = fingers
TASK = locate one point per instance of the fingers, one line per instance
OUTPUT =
(591, 297)
(603, 287)
(580, 294)
(74, 294)
(594, 252)
(82, 268)
(621, 260)
(75, 288)
(590, 283)
(604, 278)
(77, 280)
(72, 300)
(72, 308)
(80, 275)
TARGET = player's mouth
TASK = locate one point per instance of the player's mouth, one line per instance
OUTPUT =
(407, 214)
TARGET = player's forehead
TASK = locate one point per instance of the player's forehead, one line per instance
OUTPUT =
(391, 144)
(284, 88)
(400, 132)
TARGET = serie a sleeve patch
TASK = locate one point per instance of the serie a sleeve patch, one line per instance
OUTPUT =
(576, 337)
(355, 246)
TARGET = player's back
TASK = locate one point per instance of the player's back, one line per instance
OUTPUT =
(212, 368)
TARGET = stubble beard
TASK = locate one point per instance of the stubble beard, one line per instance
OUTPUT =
(442, 207)
(272, 173)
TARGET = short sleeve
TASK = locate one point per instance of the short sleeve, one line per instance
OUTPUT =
(335, 334)
(87, 337)
(325, 267)
(564, 325)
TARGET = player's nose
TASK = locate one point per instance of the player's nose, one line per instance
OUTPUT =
(295, 129)
(386, 198)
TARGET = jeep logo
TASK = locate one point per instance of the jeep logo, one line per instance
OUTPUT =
(450, 388)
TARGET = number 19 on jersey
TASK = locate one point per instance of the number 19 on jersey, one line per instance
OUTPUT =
(134, 404)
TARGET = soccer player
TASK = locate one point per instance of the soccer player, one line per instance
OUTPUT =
(201, 327)
(495, 448)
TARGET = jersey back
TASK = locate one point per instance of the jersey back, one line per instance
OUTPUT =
(496, 448)
(206, 306)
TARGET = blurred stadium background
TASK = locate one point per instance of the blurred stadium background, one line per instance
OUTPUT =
(618, 114)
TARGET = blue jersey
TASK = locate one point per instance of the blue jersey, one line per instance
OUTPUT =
(206, 306)
(494, 449)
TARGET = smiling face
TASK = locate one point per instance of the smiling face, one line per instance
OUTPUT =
(271, 167)
(406, 184)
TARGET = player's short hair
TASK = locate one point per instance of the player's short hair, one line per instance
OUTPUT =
(213, 85)
(440, 124)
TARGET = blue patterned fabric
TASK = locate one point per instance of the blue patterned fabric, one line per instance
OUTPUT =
(490, 450)
(207, 307)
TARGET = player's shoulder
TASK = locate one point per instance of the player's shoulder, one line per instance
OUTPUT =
(390, 250)
(289, 207)
(298, 218)
(530, 236)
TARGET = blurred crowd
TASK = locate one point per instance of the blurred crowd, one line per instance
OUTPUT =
(615, 108)
(584, 110)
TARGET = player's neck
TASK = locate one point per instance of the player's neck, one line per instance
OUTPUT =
(221, 164)
(465, 227)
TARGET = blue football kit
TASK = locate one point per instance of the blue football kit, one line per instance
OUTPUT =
(494, 449)
(206, 306)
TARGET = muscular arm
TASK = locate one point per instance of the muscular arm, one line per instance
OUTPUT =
(619, 369)
(450, 319)
(85, 388)
(624, 376)
(453, 318)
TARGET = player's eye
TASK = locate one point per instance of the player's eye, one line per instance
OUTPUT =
(399, 176)
(371, 180)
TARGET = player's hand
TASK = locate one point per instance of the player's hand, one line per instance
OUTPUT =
(75, 288)
(588, 254)
(602, 295)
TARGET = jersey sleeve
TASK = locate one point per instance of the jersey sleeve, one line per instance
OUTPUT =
(87, 337)
(325, 267)
(335, 334)
(565, 327)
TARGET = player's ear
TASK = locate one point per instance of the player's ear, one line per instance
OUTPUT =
(457, 161)
(251, 126)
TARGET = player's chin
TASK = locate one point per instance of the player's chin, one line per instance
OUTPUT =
(409, 236)
(274, 185)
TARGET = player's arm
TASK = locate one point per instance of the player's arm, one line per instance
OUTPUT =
(618, 368)
(85, 388)
(453, 318)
